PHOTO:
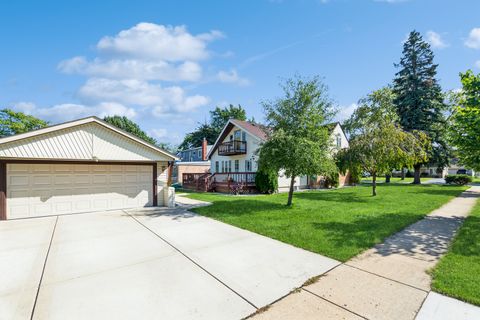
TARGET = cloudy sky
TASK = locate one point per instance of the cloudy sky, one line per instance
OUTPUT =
(165, 64)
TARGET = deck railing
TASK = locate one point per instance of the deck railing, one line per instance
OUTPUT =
(221, 181)
(232, 148)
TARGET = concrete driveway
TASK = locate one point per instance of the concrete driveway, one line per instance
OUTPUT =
(143, 264)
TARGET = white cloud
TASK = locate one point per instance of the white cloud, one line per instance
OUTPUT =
(435, 40)
(473, 40)
(141, 93)
(130, 68)
(232, 77)
(70, 111)
(158, 42)
(345, 112)
(159, 133)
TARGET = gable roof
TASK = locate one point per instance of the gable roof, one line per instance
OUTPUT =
(84, 121)
(256, 130)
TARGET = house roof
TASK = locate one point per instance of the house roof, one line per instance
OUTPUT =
(79, 122)
(254, 129)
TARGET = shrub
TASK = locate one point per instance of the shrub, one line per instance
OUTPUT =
(331, 180)
(459, 179)
(237, 188)
(424, 174)
(266, 181)
(409, 174)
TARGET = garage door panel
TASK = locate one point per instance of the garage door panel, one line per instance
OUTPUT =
(42, 180)
(82, 179)
(64, 179)
(39, 190)
(17, 181)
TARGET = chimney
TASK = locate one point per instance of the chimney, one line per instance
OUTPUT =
(204, 149)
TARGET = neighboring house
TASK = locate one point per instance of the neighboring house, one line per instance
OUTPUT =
(81, 166)
(233, 157)
(193, 161)
(195, 154)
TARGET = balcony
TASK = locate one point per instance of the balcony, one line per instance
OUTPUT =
(232, 148)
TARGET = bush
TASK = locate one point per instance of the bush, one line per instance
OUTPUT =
(409, 174)
(458, 179)
(424, 174)
(331, 180)
(266, 181)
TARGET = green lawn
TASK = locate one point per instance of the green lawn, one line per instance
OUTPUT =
(337, 223)
(392, 179)
(458, 273)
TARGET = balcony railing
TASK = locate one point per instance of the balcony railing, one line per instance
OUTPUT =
(231, 148)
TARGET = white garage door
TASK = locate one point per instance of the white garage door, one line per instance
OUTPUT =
(49, 189)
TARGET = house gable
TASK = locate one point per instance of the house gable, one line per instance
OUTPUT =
(82, 140)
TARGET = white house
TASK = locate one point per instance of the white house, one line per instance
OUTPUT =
(235, 151)
(80, 166)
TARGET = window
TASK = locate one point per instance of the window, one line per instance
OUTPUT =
(339, 141)
(199, 154)
(237, 135)
(237, 165)
(217, 166)
(244, 136)
(223, 166)
(248, 165)
(229, 166)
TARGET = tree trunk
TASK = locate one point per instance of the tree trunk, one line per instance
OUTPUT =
(416, 176)
(290, 192)
(374, 184)
(387, 178)
(403, 173)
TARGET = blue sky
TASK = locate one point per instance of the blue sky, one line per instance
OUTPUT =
(165, 64)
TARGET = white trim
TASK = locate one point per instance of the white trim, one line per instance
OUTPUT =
(209, 154)
(79, 122)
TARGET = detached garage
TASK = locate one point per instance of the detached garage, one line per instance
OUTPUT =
(80, 166)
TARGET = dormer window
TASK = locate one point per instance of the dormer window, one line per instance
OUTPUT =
(338, 141)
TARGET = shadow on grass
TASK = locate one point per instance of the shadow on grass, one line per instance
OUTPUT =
(364, 232)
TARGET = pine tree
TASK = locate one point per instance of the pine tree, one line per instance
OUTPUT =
(419, 99)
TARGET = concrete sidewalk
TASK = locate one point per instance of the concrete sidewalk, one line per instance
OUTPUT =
(389, 281)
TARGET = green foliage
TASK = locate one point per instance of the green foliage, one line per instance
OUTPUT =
(376, 108)
(210, 131)
(419, 99)
(465, 121)
(458, 179)
(220, 116)
(266, 181)
(12, 122)
(332, 180)
(377, 143)
(129, 126)
(299, 143)
(195, 138)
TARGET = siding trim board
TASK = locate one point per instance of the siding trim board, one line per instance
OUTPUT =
(3, 190)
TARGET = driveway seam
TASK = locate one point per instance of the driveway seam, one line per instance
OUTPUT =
(193, 261)
(43, 269)
(341, 307)
(387, 278)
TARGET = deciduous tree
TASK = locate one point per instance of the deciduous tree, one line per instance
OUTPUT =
(12, 122)
(298, 143)
(465, 121)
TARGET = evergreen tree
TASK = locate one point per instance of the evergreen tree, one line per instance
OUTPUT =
(419, 99)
